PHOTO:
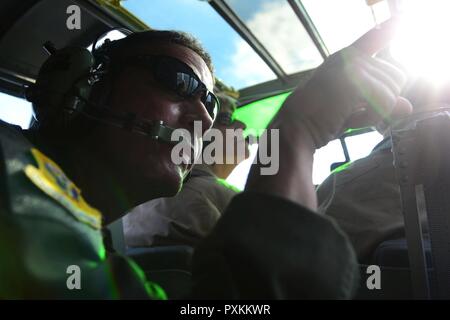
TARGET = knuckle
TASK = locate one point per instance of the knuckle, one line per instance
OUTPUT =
(355, 72)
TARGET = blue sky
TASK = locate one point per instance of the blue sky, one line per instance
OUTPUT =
(195, 17)
(246, 9)
(201, 20)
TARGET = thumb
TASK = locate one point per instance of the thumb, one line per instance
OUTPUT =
(401, 109)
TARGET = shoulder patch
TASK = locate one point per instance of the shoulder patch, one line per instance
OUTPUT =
(49, 178)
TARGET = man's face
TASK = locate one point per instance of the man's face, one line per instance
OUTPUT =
(231, 154)
(143, 165)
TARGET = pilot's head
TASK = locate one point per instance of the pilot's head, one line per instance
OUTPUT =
(136, 88)
(143, 78)
(226, 121)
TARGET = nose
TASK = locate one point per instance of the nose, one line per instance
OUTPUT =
(194, 110)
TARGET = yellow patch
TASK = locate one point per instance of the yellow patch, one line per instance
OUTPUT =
(49, 177)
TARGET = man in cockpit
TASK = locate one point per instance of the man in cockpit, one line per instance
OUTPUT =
(94, 156)
(191, 215)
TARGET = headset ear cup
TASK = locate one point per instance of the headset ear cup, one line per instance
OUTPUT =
(62, 86)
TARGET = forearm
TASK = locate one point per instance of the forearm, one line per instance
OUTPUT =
(265, 247)
(293, 181)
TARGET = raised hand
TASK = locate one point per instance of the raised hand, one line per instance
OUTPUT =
(350, 89)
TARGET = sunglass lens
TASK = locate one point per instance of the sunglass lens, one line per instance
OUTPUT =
(178, 77)
(211, 105)
(186, 85)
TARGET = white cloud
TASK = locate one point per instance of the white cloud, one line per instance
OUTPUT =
(279, 30)
(246, 67)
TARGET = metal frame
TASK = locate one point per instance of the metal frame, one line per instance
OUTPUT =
(357, 132)
(404, 146)
(309, 26)
(272, 87)
(345, 149)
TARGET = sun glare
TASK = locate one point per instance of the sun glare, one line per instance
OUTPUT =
(421, 44)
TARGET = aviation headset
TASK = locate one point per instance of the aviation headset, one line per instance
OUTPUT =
(64, 85)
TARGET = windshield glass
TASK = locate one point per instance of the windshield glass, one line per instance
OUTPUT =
(234, 60)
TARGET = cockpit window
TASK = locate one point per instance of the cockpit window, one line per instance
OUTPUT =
(286, 37)
(235, 61)
(279, 30)
(258, 114)
(15, 110)
(111, 35)
(340, 22)
(361, 145)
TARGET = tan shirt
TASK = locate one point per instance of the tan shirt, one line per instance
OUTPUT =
(364, 199)
(181, 220)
